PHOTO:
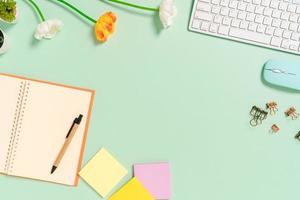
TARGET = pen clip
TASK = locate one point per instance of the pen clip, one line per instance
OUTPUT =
(77, 120)
(297, 136)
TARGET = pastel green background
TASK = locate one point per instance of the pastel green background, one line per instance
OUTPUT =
(170, 95)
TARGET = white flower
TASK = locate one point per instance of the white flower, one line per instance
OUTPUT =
(167, 11)
(48, 29)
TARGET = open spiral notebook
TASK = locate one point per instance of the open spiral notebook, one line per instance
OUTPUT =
(35, 118)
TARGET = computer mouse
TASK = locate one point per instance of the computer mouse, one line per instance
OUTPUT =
(282, 73)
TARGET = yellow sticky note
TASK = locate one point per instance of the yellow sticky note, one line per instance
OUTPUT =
(133, 190)
(103, 172)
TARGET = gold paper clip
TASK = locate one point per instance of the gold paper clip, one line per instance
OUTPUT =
(274, 128)
(272, 107)
(291, 112)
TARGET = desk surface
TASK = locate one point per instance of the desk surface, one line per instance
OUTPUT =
(171, 95)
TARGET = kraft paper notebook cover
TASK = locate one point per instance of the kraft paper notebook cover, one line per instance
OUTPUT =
(35, 118)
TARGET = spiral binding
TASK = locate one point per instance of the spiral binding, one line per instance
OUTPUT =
(17, 126)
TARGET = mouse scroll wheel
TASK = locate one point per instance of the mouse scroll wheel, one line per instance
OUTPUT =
(280, 71)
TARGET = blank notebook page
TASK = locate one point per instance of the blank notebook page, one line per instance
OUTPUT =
(48, 113)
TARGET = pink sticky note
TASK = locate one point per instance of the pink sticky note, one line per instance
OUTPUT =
(156, 178)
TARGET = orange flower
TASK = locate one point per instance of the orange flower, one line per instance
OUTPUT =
(105, 26)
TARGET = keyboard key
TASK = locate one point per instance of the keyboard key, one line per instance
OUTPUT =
(284, 25)
(267, 12)
(278, 32)
(244, 25)
(203, 15)
(233, 13)
(285, 15)
(285, 44)
(259, 19)
(267, 21)
(203, 7)
(218, 19)
(233, 4)
(204, 26)
(224, 11)
(252, 36)
(275, 23)
(294, 17)
(226, 20)
(250, 17)
(295, 36)
(270, 30)
(259, 10)
(215, 9)
(298, 10)
(275, 41)
(213, 28)
(283, 6)
(250, 8)
(196, 24)
(265, 3)
(287, 34)
(241, 15)
(291, 8)
(274, 4)
(215, 2)
(252, 26)
(223, 30)
(241, 6)
(276, 13)
(293, 26)
(235, 23)
(260, 28)
(224, 3)
(294, 45)
(257, 2)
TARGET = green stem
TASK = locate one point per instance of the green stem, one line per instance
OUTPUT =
(37, 9)
(77, 10)
(134, 5)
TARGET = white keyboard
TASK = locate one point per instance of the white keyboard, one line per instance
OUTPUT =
(269, 23)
